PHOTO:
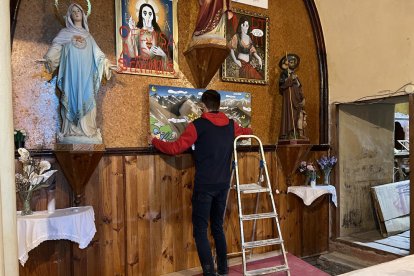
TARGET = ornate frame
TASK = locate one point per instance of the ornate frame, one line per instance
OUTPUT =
(259, 33)
(144, 64)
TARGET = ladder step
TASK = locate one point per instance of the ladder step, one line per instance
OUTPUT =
(252, 188)
(253, 244)
(267, 270)
(259, 216)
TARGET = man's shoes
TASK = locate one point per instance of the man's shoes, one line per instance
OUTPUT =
(208, 270)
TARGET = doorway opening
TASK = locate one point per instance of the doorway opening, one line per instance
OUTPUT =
(374, 169)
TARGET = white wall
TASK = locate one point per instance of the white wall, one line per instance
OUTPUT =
(369, 46)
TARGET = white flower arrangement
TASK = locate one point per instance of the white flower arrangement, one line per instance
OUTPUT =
(34, 175)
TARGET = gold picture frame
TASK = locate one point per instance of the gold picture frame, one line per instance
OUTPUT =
(147, 37)
(247, 35)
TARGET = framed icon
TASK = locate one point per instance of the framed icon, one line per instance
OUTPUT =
(247, 35)
(147, 36)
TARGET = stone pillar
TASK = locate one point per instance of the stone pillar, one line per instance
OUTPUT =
(8, 232)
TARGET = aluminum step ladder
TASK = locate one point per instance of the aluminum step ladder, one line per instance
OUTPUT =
(257, 188)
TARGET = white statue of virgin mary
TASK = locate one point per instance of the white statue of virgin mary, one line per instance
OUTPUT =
(82, 65)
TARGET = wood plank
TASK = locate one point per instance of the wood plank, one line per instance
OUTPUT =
(385, 248)
(397, 225)
(87, 261)
(405, 234)
(290, 206)
(144, 171)
(132, 214)
(397, 242)
(166, 174)
(315, 240)
(231, 224)
(367, 236)
(111, 170)
(49, 258)
(155, 200)
(177, 216)
(187, 179)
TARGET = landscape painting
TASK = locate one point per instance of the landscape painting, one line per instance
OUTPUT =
(172, 108)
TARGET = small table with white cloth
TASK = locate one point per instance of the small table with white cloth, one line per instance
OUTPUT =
(310, 194)
(76, 224)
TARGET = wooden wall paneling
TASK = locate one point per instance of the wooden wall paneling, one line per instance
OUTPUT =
(248, 173)
(303, 223)
(268, 225)
(187, 183)
(145, 185)
(290, 157)
(231, 224)
(287, 203)
(314, 233)
(179, 257)
(143, 211)
(281, 198)
(156, 198)
(87, 261)
(49, 258)
(294, 224)
(166, 174)
(261, 199)
(138, 170)
(112, 253)
(104, 192)
(63, 193)
(132, 212)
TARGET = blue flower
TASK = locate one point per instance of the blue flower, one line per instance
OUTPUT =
(327, 163)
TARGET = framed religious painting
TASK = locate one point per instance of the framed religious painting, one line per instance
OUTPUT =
(146, 37)
(247, 35)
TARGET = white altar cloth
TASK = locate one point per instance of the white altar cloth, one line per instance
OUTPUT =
(76, 224)
(309, 194)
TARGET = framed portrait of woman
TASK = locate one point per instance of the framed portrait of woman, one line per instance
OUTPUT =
(146, 37)
(247, 35)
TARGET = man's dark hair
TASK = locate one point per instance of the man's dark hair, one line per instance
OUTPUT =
(211, 98)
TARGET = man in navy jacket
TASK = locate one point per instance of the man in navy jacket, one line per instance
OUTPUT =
(212, 135)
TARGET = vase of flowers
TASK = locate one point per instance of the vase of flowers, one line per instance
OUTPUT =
(309, 170)
(19, 138)
(34, 176)
(326, 163)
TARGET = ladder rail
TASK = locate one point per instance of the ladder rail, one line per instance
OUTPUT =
(236, 169)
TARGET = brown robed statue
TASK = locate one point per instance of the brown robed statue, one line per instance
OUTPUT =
(292, 127)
